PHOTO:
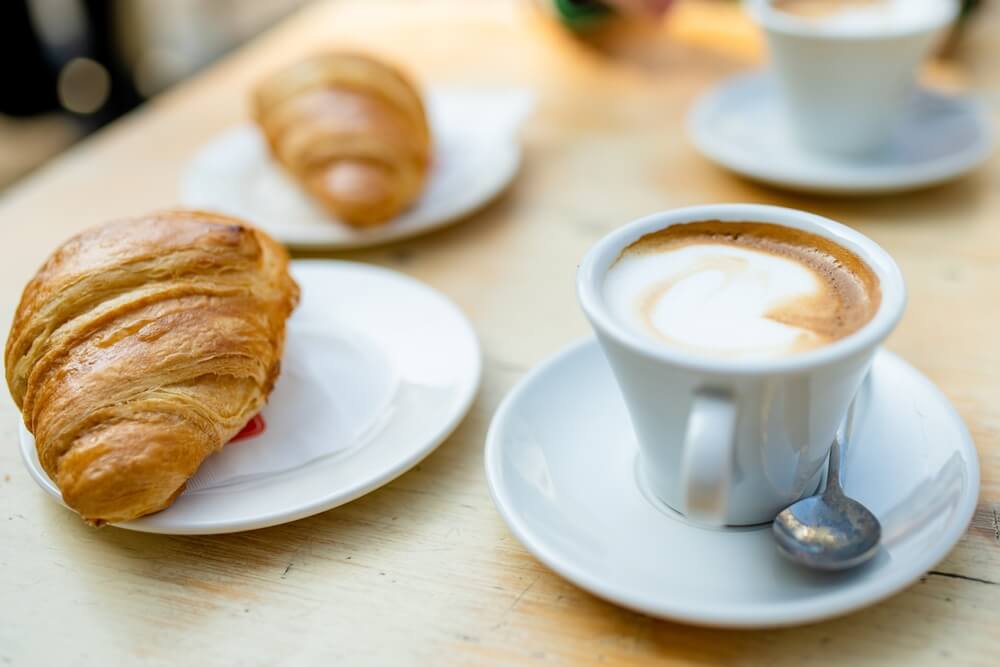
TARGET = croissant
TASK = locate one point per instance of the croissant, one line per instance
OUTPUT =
(142, 346)
(351, 130)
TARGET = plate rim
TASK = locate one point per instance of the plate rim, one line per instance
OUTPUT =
(468, 390)
(868, 182)
(509, 159)
(757, 616)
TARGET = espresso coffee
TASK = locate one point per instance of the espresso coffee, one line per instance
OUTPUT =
(825, 8)
(740, 289)
(865, 16)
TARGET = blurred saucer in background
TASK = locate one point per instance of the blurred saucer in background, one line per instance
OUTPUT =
(741, 126)
(477, 153)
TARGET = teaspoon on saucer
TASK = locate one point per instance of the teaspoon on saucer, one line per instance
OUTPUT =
(828, 531)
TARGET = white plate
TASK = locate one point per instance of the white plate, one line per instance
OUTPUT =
(378, 370)
(561, 465)
(477, 152)
(741, 126)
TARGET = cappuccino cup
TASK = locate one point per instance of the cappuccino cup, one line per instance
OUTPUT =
(846, 68)
(738, 335)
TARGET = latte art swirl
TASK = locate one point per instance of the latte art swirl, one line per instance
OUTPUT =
(740, 290)
(713, 292)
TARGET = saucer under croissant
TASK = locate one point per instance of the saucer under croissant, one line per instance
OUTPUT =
(344, 154)
(360, 394)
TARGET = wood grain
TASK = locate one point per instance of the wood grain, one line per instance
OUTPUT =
(423, 571)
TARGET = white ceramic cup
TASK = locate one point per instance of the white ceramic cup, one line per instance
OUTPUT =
(728, 441)
(844, 91)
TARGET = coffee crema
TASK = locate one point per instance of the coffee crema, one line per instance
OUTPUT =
(824, 8)
(740, 289)
(865, 16)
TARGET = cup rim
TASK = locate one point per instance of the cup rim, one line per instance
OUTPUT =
(768, 18)
(597, 260)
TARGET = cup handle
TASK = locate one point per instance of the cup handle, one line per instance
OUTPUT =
(707, 457)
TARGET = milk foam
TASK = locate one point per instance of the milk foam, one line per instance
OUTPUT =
(878, 16)
(712, 298)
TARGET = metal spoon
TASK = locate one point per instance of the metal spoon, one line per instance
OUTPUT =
(829, 531)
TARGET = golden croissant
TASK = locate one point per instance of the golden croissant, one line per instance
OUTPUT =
(141, 347)
(351, 130)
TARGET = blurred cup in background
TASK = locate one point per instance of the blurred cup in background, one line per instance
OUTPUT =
(846, 68)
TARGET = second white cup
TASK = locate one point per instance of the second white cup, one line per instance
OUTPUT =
(846, 85)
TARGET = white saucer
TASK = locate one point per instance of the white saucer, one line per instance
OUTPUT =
(561, 465)
(378, 370)
(741, 126)
(477, 152)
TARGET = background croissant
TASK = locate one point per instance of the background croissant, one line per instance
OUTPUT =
(143, 346)
(351, 130)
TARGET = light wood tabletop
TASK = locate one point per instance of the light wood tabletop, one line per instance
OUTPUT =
(424, 571)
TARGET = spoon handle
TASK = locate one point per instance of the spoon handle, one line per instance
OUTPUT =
(846, 432)
(833, 468)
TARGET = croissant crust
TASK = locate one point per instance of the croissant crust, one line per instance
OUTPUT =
(351, 130)
(142, 346)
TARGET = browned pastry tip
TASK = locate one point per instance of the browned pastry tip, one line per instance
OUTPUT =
(140, 347)
(363, 192)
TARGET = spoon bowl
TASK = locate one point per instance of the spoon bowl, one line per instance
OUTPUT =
(829, 531)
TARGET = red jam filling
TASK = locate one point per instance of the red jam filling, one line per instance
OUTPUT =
(253, 428)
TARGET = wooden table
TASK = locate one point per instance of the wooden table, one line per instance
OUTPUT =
(423, 571)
